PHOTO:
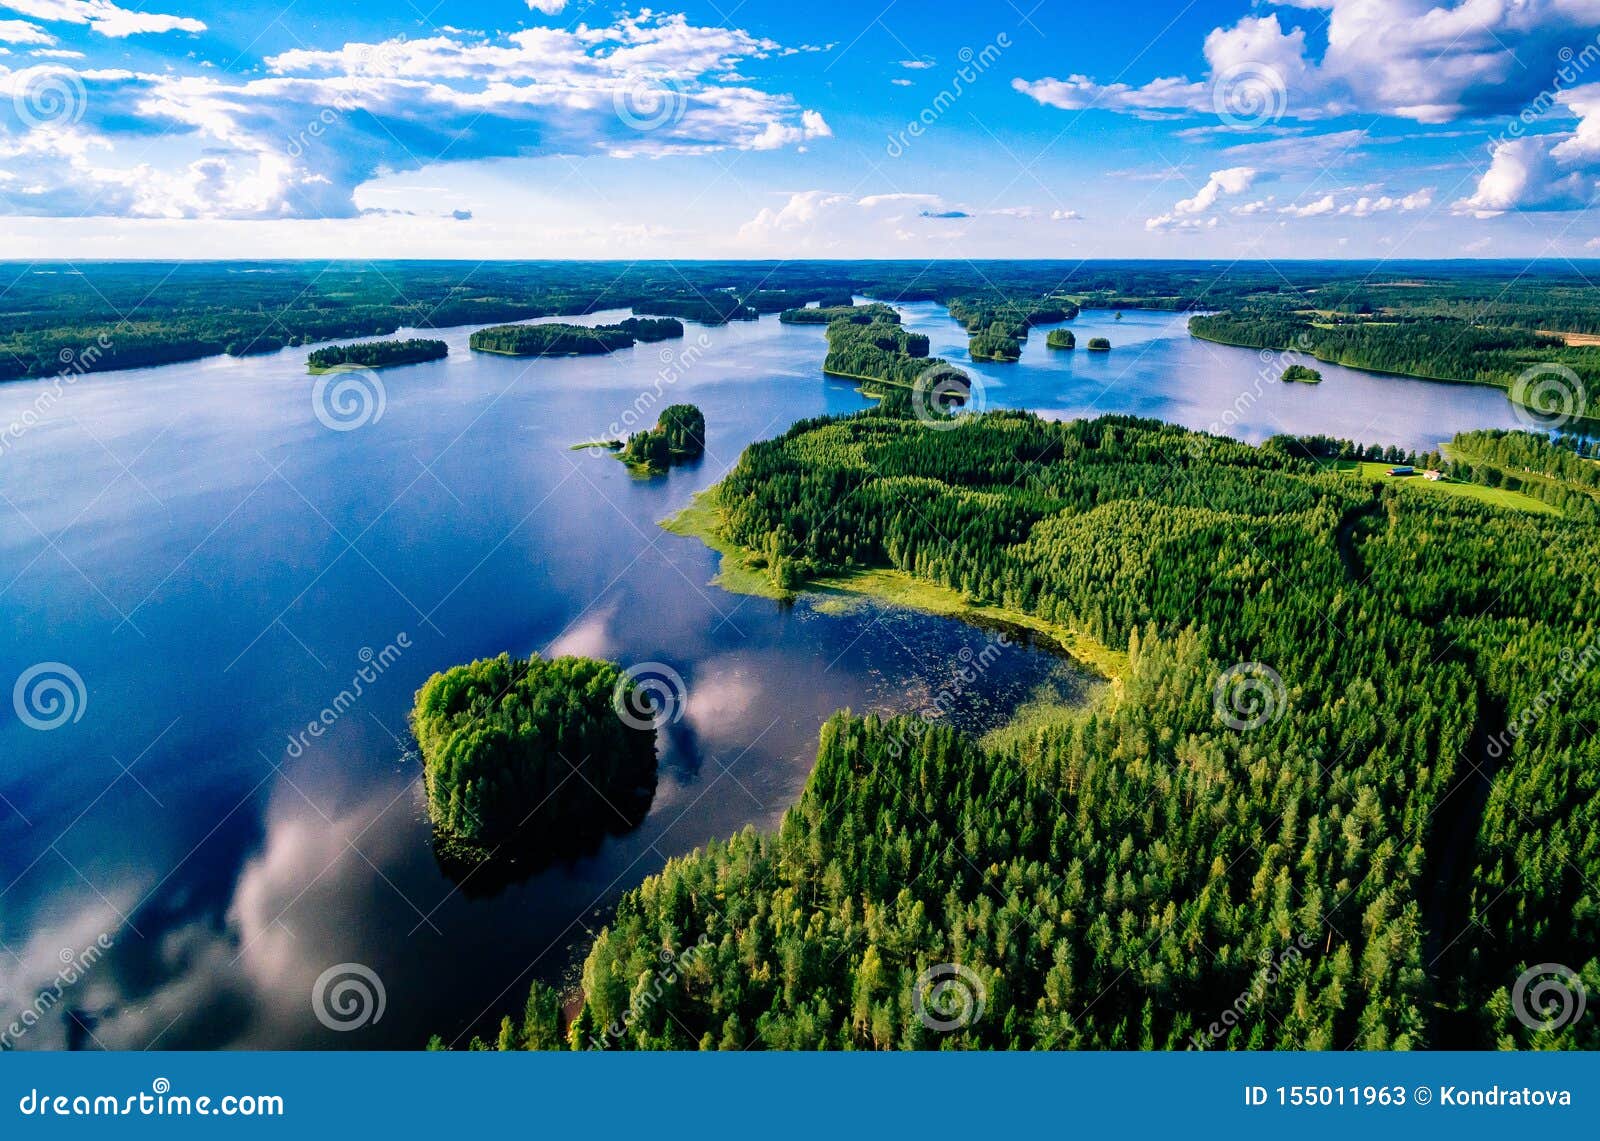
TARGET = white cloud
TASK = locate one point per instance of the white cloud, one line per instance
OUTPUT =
(917, 64)
(1523, 175)
(901, 82)
(1065, 216)
(1364, 206)
(548, 7)
(297, 143)
(1415, 59)
(1323, 205)
(1234, 180)
(104, 17)
(22, 32)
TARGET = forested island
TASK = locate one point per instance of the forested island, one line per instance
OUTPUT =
(519, 751)
(1061, 339)
(881, 355)
(678, 436)
(998, 323)
(1317, 763)
(1099, 345)
(94, 317)
(827, 314)
(376, 354)
(1301, 374)
(560, 339)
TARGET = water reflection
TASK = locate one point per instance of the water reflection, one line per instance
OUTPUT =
(213, 562)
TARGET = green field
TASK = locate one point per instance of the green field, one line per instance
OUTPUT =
(1494, 496)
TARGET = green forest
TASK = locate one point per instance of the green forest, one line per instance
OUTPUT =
(554, 340)
(516, 750)
(679, 435)
(1343, 794)
(377, 354)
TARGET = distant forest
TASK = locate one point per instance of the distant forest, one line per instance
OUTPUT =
(1457, 317)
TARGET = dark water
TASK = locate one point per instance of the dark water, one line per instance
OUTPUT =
(217, 565)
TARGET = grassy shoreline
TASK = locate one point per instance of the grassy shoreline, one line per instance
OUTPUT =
(703, 518)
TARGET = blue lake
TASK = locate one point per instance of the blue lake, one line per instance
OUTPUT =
(218, 565)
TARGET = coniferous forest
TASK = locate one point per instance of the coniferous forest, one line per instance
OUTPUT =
(1342, 794)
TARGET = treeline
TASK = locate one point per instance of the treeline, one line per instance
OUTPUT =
(877, 351)
(715, 308)
(377, 354)
(561, 339)
(1551, 472)
(1434, 348)
(827, 314)
(1252, 846)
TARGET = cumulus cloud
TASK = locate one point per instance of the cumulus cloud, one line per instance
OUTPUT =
(299, 141)
(548, 7)
(104, 17)
(1323, 205)
(1415, 59)
(22, 32)
(1233, 180)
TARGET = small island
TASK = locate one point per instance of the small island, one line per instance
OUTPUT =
(375, 354)
(1099, 345)
(679, 435)
(559, 339)
(1302, 374)
(516, 750)
(1061, 339)
(996, 343)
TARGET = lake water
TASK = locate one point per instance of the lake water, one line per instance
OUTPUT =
(217, 564)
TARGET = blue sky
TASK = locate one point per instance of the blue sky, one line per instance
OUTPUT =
(543, 128)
